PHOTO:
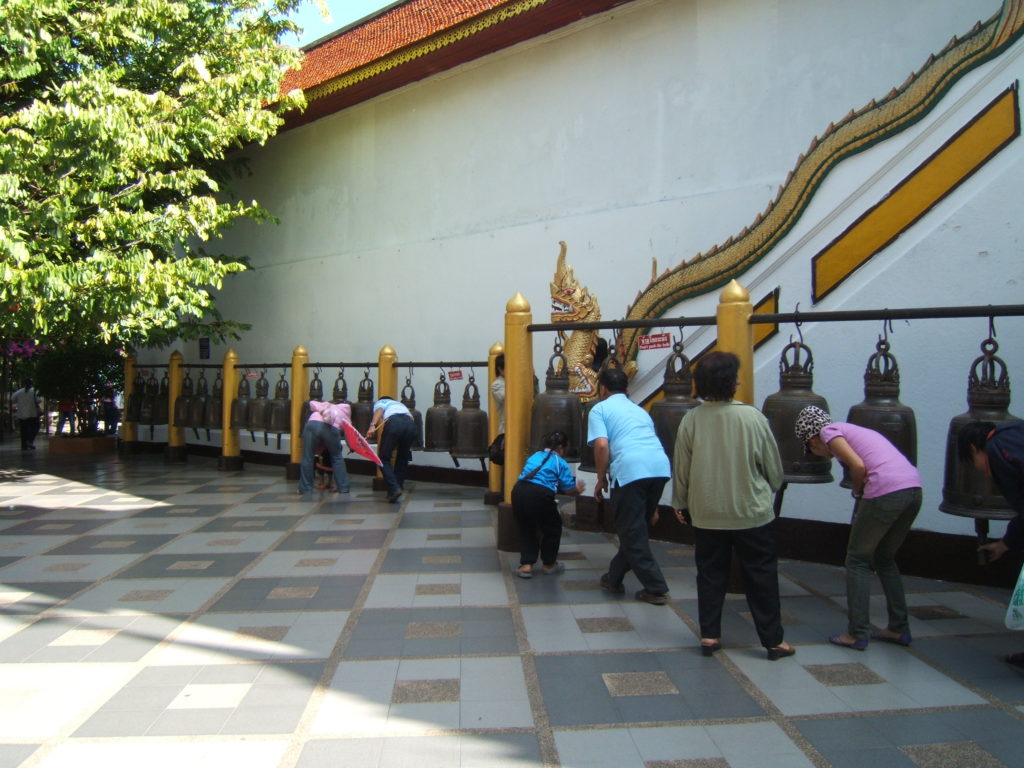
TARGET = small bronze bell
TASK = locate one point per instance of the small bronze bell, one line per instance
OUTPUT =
(215, 407)
(966, 491)
(240, 405)
(200, 402)
(470, 426)
(147, 405)
(316, 392)
(881, 409)
(557, 409)
(280, 418)
(258, 417)
(163, 404)
(439, 422)
(362, 409)
(409, 401)
(678, 400)
(183, 403)
(782, 408)
(133, 407)
(339, 393)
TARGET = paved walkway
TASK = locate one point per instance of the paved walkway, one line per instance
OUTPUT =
(173, 615)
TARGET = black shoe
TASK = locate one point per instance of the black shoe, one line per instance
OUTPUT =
(607, 586)
(708, 649)
(780, 652)
(393, 498)
(646, 597)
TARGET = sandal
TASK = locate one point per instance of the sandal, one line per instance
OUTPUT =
(904, 639)
(857, 645)
(553, 570)
(524, 574)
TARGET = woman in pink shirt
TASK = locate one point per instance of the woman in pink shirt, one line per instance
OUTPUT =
(887, 488)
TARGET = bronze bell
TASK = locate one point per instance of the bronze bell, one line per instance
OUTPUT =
(200, 402)
(214, 418)
(782, 408)
(362, 409)
(163, 405)
(133, 407)
(147, 406)
(966, 491)
(881, 409)
(316, 392)
(240, 405)
(556, 408)
(279, 419)
(587, 463)
(409, 401)
(339, 393)
(183, 403)
(471, 426)
(678, 390)
(439, 423)
(258, 415)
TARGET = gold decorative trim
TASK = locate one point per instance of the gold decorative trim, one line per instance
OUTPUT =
(972, 146)
(422, 48)
(860, 129)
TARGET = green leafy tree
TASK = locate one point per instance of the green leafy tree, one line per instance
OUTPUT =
(118, 119)
(80, 372)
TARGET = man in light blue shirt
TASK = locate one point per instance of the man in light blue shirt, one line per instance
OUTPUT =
(398, 430)
(627, 449)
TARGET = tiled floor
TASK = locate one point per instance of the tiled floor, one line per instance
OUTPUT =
(168, 615)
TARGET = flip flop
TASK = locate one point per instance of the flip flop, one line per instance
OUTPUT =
(857, 645)
(554, 570)
(905, 639)
(524, 574)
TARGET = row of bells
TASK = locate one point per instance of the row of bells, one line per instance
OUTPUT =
(966, 491)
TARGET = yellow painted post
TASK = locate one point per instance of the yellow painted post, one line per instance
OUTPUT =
(231, 452)
(518, 404)
(300, 391)
(387, 374)
(129, 429)
(175, 432)
(736, 335)
(494, 473)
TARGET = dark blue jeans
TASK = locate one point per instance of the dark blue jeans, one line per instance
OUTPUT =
(397, 437)
(313, 434)
(633, 506)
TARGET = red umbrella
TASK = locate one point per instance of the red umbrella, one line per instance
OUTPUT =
(358, 444)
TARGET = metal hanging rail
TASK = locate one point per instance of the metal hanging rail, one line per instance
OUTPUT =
(374, 364)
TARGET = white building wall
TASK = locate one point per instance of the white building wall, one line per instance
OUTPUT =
(653, 131)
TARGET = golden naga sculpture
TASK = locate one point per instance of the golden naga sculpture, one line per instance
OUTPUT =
(573, 303)
(860, 129)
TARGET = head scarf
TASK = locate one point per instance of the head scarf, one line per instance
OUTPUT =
(810, 422)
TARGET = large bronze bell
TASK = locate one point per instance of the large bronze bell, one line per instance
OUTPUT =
(409, 401)
(258, 415)
(362, 409)
(471, 426)
(133, 407)
(966, 491)
(782, 408)
(280, 418)
(881, 409)
(678, 390)
(316, 392)
(147, 406)
(439, 423)
(200, 402)
(587, 461)
(240, 405)
(214, 418)
(163, 406)
(557, 409)
(183, 403)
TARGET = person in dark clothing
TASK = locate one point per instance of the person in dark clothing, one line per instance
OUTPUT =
(998, 453)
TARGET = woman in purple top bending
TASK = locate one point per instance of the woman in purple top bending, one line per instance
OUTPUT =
(887, 488)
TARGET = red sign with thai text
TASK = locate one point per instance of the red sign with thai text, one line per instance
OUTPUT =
(455, 375)
(655, 341)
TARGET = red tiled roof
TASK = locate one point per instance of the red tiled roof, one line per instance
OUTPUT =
(397, 28)
(417, 39)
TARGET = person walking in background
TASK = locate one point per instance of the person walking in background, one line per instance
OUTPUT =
(325, 425)
(887, 488)
(631, 463)
(726, 472)
(998, 453)
(536, 512)
(65, 413)
(26, 408)
(398, 433)
(111, 412)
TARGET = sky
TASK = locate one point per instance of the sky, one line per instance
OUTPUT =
(342, 13)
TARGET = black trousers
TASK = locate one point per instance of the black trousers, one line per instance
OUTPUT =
(633, 506)
(540, 525)
(29, 428)
(759, 563)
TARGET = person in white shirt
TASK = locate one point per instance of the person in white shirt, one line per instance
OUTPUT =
(26, 408)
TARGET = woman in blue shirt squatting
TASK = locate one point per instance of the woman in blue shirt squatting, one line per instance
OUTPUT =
(533, 504)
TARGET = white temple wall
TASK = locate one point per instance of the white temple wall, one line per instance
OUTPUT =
(651, 132)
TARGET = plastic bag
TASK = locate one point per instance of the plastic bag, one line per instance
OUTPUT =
(1015, 610)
